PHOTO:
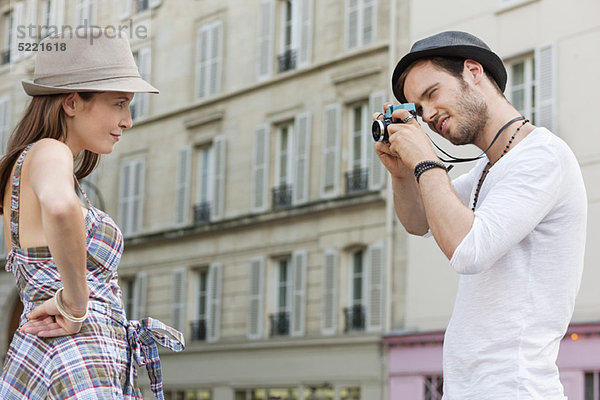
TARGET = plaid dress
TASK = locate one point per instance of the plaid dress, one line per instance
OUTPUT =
(98, 362)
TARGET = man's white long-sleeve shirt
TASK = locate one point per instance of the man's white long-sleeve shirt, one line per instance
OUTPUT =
(520, 268)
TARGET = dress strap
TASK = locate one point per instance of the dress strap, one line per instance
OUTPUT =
(14, 198)
(89, 203)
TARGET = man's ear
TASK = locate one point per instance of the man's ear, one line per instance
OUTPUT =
(70, 104)
(473, 71)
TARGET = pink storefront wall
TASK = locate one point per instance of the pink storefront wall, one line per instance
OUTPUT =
(412, 357)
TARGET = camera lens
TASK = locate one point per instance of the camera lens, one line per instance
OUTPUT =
(377, 130)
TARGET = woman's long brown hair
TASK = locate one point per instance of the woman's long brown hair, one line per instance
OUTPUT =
(43, 118)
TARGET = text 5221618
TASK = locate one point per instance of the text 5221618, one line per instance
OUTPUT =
(42, 46)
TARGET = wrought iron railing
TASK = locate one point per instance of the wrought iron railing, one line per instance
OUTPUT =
(198, 330)
(280, 324)
(201, 212)
(287, 60)
(357, 180)
(282, 196)
(355, 318)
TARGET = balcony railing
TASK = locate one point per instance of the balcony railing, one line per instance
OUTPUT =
(287, 60)
(5, 57)
(280, 324)
(355, 318)
(357, 180)
(282, 196)
(201, 212)
(198, 330)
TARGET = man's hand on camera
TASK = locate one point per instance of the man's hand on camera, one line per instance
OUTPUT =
(390, 160)
(408, 141)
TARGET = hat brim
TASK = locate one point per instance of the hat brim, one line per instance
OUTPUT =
(488, 59)
(127, 85)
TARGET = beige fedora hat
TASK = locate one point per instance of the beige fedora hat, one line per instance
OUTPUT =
(86, 60)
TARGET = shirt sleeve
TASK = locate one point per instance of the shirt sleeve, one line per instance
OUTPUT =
(523, 192)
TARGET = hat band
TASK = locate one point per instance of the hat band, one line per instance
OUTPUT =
(89, 75)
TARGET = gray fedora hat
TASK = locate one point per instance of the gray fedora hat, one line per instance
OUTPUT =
(86, 60)
(451, 44)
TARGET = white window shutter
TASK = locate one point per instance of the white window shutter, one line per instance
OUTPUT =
(330, 283)
(220, 161)
(306, 27)
(330, 166)
(182, 185)
(178, 298)
(545, 65)
(4, 123)
(368, 21)
(140, 291)
(137, 203)
(202, 83)
(215, 282)
(302, 131)
(124, 9)
(377, 171)
(298, 317)
(59, 13)
(124, 198)
(260, 169)
(216, 39)
(255, 298)
(375, 288)
(145, 63)
(352, 25)
(18, 17)
(31, 18)
(265, 39)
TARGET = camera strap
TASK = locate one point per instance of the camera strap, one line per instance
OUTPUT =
(457, 160)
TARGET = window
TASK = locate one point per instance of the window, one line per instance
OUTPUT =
(434, 387)
(295, 35)
(210, 182)
(140, 103)
(192, 394)
(531, 86)
(86, 12)
(134, 296)
(290, 287)
(292, 162)
(357, 176)
(310, 392)
(355, 314)
(365, 310)
(282, 192)
(208, 65)
(592, 385)
(52, 16)
(131, 196)
(7, 32)
(205, 325)
(280, 321)
(360, 22)
(126, 6)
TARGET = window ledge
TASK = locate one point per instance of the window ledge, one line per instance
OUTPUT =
(508, 5)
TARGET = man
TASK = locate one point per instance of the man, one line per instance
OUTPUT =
(513, 227)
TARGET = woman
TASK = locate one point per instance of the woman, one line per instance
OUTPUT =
(74, 341)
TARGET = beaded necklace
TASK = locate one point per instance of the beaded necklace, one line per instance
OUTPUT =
(489, 165)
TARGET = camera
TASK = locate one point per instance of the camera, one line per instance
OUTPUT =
(379, 129)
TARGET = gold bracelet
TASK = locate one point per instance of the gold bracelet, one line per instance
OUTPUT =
(65, 313)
